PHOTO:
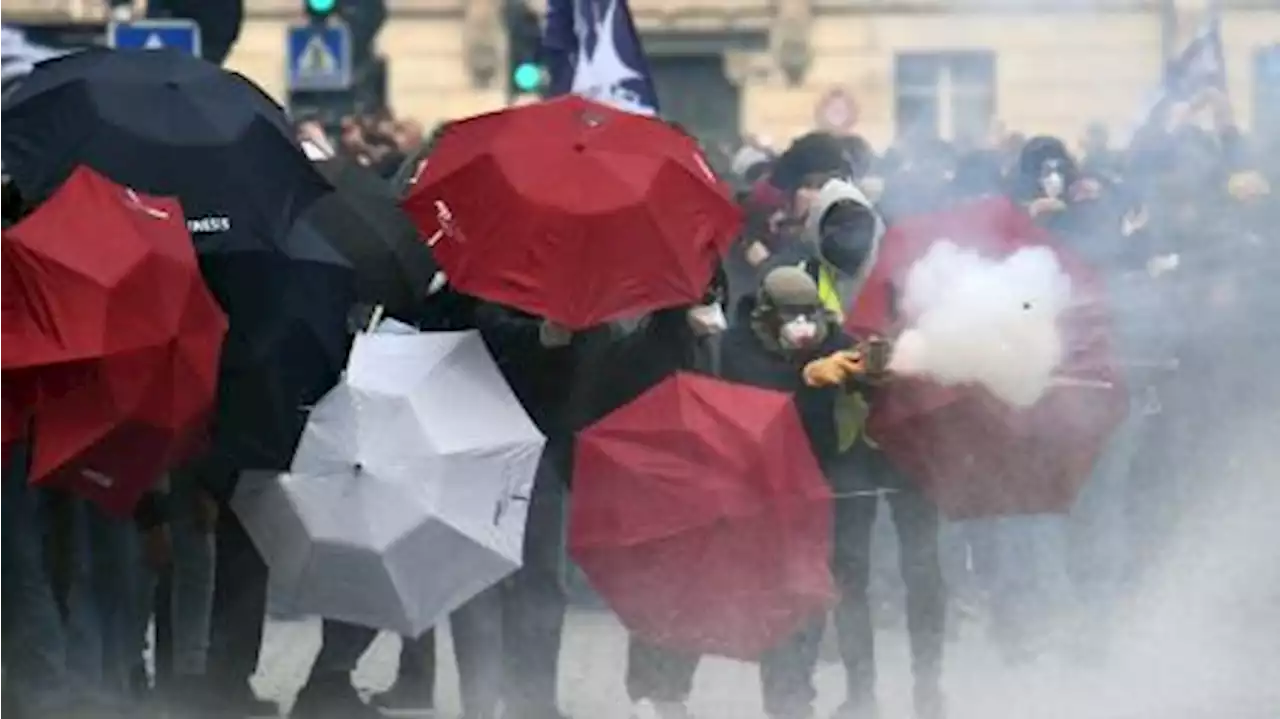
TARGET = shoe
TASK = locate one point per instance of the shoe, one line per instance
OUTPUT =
(406, 699)
(331, 698)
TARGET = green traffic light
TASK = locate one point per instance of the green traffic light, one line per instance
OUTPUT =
(321, 7)
(528, 77)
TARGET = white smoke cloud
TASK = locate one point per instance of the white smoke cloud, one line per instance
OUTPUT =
(977, 320)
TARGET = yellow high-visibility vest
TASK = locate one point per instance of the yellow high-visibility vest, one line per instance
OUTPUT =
(829, 291)
(851, 408)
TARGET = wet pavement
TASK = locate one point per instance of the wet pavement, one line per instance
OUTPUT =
(978, 684)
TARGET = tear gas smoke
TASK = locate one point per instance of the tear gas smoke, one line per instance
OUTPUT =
(991, 322)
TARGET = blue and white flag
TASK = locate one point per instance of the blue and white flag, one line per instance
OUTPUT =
(1198, 67)
(19, 54)
(591, 48)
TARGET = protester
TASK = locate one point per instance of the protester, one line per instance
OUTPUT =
(537, 357)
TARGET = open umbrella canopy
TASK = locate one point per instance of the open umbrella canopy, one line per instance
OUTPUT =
(972, 453)
(701, 515)
(362, 219)
(166, 124)
(574, 211)
(111, 339)
(409, 491)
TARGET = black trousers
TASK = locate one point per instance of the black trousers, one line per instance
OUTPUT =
(477, 646)
(534, 601)
(239, 607)
(916, 520)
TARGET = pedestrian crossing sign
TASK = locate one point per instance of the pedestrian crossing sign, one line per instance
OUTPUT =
(319, 57)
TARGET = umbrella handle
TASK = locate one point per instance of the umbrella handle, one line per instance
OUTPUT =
(375, 318)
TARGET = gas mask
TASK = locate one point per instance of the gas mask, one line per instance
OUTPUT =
(1052, 181)
(800, 331)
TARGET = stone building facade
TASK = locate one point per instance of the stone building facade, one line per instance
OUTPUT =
(725, 67)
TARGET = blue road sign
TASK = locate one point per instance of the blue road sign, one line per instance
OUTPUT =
(180, 35)
(318, 57)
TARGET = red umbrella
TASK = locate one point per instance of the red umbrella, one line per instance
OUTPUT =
(573, 211)
(972, 453)
(110, 337)
(700, 514)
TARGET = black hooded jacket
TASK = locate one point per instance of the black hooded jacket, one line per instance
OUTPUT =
(630, 366)
(540, 376)
(745, 359)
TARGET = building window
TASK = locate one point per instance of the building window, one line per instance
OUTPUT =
(1266, 87)
(950, 95)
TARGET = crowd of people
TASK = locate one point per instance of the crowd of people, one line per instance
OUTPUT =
(1181, 222)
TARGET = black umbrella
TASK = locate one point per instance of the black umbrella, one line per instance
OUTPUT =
(163, 123)
(364, 222)
(286, 347)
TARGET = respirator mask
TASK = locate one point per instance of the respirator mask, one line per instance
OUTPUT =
(1052, 181)
(800, 328)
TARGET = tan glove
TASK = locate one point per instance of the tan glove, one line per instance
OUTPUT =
(834, 369)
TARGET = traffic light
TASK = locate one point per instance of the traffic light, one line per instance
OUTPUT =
(320, 10)
(525, 73)
(527, 77)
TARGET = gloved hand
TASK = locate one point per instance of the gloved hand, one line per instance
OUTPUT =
(834, 369)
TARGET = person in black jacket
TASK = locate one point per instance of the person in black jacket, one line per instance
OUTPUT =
(665, 342)
(538, 358)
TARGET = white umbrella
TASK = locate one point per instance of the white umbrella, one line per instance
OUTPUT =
(409, 490)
